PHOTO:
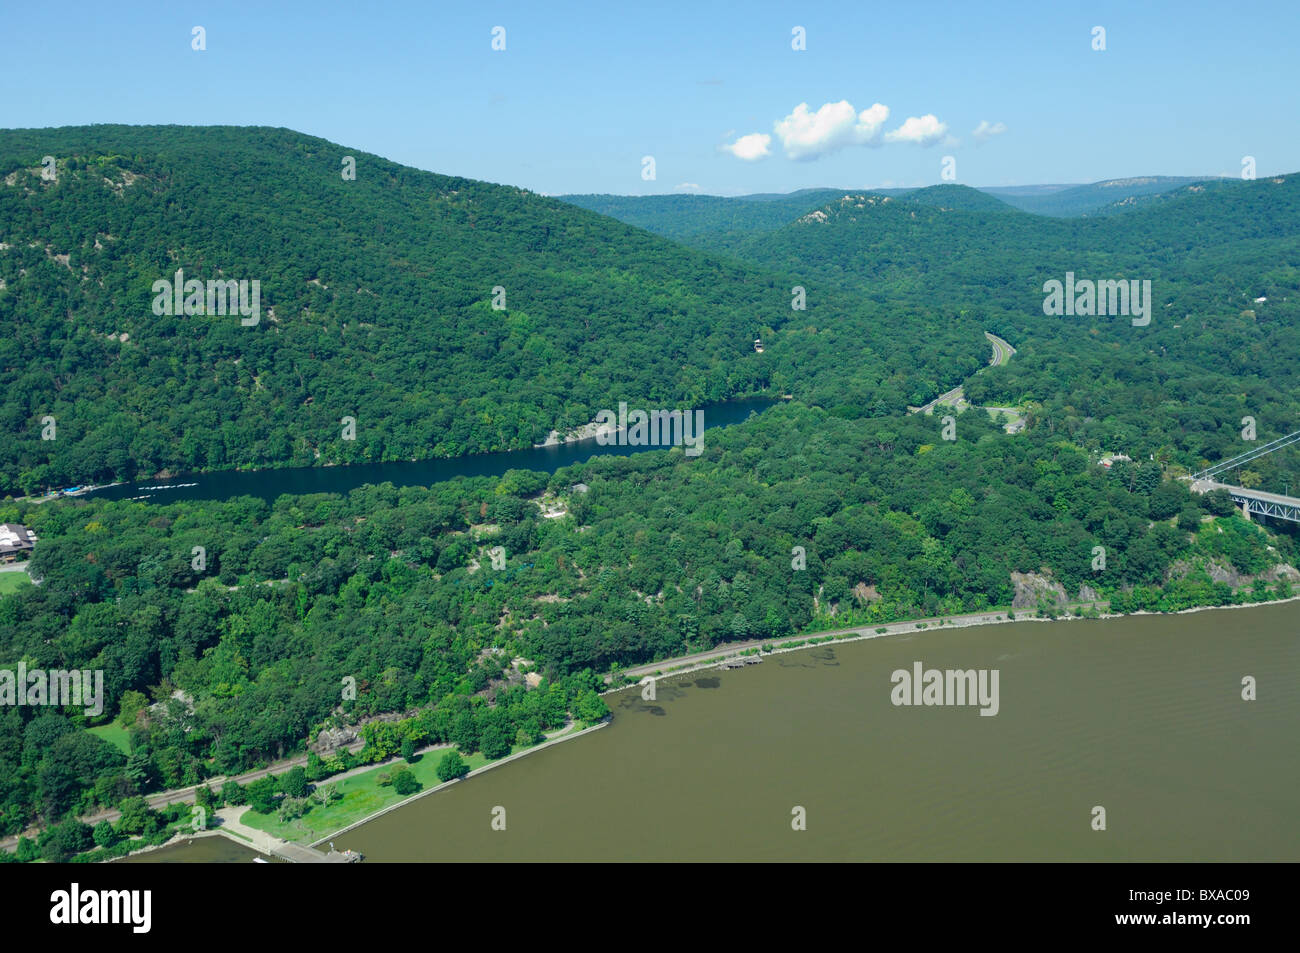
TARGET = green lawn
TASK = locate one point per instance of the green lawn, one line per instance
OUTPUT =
(1012, 415)
(362, 796)
(11, 582)
(114, 734)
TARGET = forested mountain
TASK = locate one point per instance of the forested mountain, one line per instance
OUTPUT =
(682, 217)
(377, 303)
(1095, 198)
(1178, 387)
(714, 219)
(1143, 200)
(376, 299)
(953, 197)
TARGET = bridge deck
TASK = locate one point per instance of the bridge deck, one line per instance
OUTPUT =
(1205, 486)
(1255, 502)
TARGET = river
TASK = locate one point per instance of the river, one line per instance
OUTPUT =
(1142, 716)
(269, 484)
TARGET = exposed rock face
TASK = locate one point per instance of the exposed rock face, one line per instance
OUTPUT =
(1221, 573)
(1088, 594)
(866, 593)
(1032, 587)
(332, 739)
(1282, 571)
(1225, 572)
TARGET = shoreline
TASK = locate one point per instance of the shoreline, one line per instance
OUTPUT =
(814, 640)
(577, 435)
(254, 845)
(809, 642)
(716, 657)
(567, 736)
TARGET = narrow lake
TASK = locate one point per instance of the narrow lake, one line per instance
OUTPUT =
(269, 484)
(1142, 716)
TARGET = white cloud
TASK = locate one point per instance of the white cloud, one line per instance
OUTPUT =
(687, 187)
(987, 130)
(923, 131)
(750, 148)
(808, 135)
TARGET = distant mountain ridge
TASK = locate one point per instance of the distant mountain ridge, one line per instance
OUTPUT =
(721, 221)
(1105, 197)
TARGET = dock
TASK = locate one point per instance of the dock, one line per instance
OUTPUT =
(298, 854)
(740, 661)
(273, 846)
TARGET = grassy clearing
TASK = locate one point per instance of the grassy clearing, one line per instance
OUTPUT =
(362, 796)
(11, 582)
(114, 734)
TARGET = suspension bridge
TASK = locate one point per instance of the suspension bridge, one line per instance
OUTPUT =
(1252, 502)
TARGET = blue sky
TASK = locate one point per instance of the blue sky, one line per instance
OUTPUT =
(583, 91)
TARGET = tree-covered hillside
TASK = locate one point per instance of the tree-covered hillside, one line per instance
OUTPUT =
(1178, 387)
(398, 589)
(954, 197)
(1096, 198)
(377, 303)
(683, 217)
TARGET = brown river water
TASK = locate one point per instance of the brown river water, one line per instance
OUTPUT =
(1142, 716)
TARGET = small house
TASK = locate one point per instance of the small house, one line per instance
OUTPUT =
(14, 539)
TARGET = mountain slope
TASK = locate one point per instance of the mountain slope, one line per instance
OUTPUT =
(376, 303)
(1096, 197)
(961, 197)
(1182, 384)
(683, 217)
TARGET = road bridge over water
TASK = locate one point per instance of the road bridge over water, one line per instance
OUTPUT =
(1252, 502)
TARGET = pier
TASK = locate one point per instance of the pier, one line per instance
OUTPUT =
(229, 826)
(298, 854)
